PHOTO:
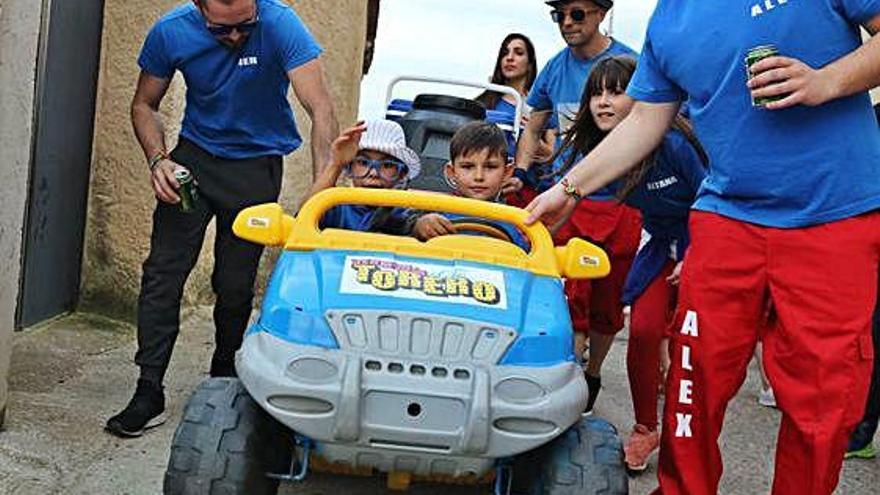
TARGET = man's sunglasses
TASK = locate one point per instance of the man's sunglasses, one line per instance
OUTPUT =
(392, 170)
(577, 15)
(242, 27)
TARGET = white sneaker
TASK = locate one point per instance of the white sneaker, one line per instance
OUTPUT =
(767, 398)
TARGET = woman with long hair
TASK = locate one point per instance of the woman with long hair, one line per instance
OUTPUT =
(663, 188)
(515, 66)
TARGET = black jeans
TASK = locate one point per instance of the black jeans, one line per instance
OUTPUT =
(225, 187)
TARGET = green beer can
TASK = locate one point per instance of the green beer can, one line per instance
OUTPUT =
(753, 56)
(187, 191)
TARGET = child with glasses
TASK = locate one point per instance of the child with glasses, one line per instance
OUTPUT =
(478, 169)
(373, 155)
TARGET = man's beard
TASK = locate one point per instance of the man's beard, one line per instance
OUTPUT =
(234, 46)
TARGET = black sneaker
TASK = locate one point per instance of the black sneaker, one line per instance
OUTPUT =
(594, 385)
(145, 410)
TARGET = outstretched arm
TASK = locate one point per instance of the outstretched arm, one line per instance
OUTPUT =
(627, 145)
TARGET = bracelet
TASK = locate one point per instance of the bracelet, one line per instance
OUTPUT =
(570, 189)
(155, 159)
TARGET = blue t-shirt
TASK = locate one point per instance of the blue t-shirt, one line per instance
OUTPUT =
(787, 168)
(664, 197)
(503, 106)
(236, 100)
(559, 88)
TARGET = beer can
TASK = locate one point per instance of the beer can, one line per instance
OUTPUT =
(753, 56)
(187, 191)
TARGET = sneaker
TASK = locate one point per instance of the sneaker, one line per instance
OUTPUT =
(145, 410)
(867, 452)
(767, 398)
(641, 444)
(861, 444)
(594, 385)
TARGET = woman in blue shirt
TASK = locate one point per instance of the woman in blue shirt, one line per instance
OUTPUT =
(517, 67)
(663, 188)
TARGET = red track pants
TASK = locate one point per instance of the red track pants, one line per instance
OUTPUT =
(649, 322)
(822, 282)
(595, 304)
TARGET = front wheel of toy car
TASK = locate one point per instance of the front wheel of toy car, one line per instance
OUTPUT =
(225, 444)
(585, 460)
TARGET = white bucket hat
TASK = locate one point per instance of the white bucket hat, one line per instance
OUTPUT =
(387, 136)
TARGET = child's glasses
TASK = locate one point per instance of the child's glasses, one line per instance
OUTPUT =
(391, 170)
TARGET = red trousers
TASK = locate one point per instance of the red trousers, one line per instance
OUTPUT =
(595, 304)
(822, 283)
(649, 323)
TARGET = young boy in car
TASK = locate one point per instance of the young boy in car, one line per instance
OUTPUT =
(478, 168)
(374, 155)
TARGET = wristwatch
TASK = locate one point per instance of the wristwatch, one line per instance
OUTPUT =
(155, 159)
(570, 189)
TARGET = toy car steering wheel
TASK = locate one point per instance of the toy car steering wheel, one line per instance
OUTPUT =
(481, 227)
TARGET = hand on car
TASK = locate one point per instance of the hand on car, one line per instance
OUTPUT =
(165, 185)
(432, 225)
(796, 81)
(552, 207)
(344, 148)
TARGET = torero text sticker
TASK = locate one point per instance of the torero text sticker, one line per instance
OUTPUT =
(373, 276)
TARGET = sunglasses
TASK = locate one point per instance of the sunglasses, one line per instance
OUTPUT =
(392, 170)
(576, 15)
(226, 29)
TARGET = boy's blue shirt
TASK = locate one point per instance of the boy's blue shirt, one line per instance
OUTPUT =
(787, 168)
(236, 100)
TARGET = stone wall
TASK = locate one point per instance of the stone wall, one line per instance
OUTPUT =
(19, 38)
(121, 199)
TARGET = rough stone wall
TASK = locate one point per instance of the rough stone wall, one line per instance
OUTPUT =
(121, 199)
(19, 37)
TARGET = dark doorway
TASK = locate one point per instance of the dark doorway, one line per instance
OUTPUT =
(67, 74)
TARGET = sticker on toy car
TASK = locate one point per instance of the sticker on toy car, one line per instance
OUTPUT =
(376, 276)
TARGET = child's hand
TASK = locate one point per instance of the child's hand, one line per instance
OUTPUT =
(433, 225)
(344, 149)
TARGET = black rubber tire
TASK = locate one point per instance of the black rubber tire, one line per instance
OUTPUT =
(585, 460)
(225, 444)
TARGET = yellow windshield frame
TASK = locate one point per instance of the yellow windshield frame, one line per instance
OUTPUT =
(306, 234)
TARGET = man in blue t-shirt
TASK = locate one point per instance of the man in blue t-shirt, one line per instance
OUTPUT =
(555, 96)
(786, 220)
(238, 59)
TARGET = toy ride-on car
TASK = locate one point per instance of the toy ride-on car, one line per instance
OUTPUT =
(446, 360)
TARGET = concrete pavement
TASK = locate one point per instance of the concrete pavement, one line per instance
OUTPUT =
(70, 375)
